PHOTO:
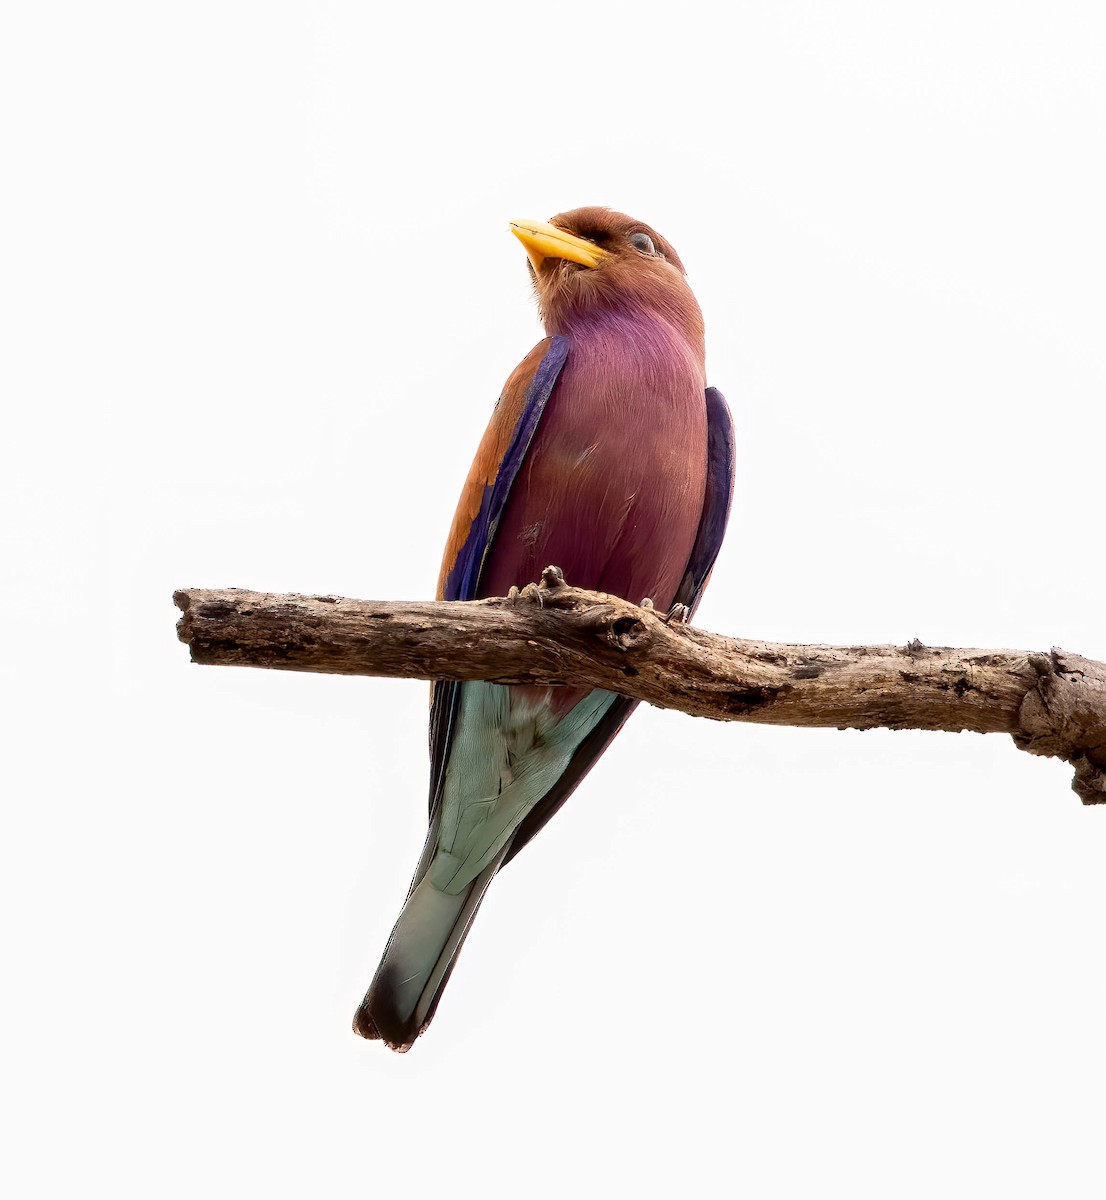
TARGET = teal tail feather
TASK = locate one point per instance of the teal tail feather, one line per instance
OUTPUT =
(509, 750)
(418, 960)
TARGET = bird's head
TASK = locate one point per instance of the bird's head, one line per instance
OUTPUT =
(593, 261)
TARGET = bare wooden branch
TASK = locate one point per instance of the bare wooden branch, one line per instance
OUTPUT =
(1052, 704)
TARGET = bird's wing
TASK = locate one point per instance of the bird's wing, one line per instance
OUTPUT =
(502, 452)
(716, 502)
(708, 540)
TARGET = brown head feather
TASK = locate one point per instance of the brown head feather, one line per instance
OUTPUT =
(630, 278)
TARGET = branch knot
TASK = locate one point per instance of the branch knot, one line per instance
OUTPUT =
(1061, 717)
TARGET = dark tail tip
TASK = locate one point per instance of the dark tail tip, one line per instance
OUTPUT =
(394, 1033)
(364, 1025)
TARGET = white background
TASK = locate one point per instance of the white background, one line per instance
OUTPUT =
(259, 299)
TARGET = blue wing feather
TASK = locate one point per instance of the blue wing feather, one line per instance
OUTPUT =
(463, 580)
(716, 501)
(464, 577)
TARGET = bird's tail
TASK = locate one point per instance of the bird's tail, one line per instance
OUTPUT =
(418, 960)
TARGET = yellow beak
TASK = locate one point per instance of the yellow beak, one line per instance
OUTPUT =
(547, 241)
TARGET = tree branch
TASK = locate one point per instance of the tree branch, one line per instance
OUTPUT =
(1052, 704)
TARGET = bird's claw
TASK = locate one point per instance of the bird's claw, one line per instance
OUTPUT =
(678, 613)
(552, 580)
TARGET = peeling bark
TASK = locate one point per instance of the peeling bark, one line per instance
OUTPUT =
(1052, 704)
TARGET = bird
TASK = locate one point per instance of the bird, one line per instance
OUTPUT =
(608, 456)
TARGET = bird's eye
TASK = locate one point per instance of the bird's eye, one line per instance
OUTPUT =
(642, 242)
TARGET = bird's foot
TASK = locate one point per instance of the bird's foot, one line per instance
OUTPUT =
(531, 592)
(552, 581)
(678, 613)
